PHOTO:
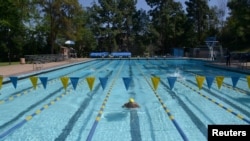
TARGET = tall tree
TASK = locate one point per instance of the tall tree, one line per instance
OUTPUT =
(126, 9)
(198, 13)
(222, 12)
(140, 31)
(12, 20)
(60, 16)
(167, 17)
(237, 29)
(112, 23)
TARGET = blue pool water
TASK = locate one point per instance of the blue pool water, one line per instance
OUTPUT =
(182, 112)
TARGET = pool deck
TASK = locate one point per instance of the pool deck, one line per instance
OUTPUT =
(19, 69)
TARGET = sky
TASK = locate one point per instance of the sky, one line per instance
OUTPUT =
(142, 3)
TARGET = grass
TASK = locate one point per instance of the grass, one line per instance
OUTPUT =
(7, 63)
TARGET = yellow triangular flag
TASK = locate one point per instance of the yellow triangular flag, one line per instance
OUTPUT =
(33, 80)
(65, 81)
(219, 80)
(155, 81)
(200, 80)
(1, 81)
(248, 81)
(90, 81)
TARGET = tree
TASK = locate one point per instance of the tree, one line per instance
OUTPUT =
(111, 21)
(11, 28)
(198, 13)
(221, 12)
(63, 19)
(140, 32)
(167, 23)
(237, 30)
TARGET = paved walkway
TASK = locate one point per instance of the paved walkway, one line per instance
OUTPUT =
(20, 69)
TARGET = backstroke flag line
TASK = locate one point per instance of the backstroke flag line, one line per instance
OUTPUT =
(210, 81)
(126, 81)
(33, 80)
(155, 81)
(14, 81)
(74, 81)
(219, 80)
(171, 81)
(103, 81)
(199, 80)
(65, 81)
(90, 81)
(44, 81)
(1, 82)
(235, 80)
(248, 81)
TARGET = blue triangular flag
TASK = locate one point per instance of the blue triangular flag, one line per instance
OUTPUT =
(126, 81)
(103, 81)
(209, 80)
(74, 81)
(44, 81)
(14, 79)
(235, 80)
(171, 81)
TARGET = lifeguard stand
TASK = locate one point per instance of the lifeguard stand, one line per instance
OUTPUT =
(211, 42)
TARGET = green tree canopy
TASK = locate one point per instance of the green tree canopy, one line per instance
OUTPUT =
(237, 30)
(167, 27)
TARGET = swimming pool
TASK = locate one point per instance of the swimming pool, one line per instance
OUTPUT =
(84, 102)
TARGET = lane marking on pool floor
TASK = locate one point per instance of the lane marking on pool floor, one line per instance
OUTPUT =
(99, 115)
(171, 117)
(29, 117)
(11, 98)
(217, 103)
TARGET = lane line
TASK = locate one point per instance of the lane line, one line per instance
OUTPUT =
(29, 117)
(99, 115)
(217, 103)
(171, 117)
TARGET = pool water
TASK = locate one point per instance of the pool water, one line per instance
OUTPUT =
(92, 110)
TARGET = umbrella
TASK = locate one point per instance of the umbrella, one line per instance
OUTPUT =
(69, 42)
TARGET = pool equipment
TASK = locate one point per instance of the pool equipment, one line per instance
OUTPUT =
(210, 42)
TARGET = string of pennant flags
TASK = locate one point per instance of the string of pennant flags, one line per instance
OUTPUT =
(103, 81)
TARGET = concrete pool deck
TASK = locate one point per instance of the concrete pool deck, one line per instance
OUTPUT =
(19, 69)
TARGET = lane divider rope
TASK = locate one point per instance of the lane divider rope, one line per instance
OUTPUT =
(171, 117)
(99, 115)
(217, 103)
